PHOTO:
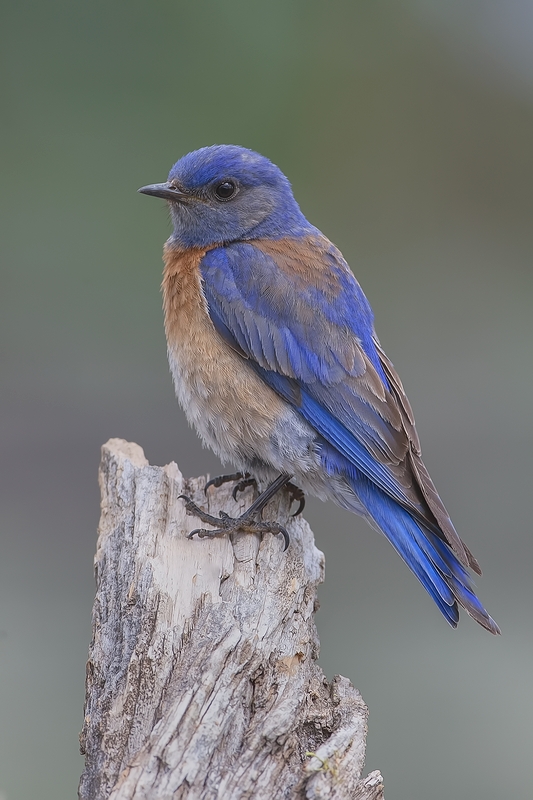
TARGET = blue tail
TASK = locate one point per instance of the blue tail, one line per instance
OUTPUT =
(426, 555)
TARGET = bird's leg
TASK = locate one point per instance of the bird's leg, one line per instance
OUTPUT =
(244, 479)
(249, 522)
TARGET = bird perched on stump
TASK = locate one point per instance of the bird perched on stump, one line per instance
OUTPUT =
(276, 363)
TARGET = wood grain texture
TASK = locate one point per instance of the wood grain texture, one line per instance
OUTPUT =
(202, 680)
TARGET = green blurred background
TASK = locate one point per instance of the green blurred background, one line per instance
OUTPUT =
(406, 129)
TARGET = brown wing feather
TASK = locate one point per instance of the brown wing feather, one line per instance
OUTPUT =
(419, 470)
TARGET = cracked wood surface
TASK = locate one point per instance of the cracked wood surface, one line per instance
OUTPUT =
(202, 680)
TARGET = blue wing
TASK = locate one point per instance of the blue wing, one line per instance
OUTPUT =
(293, 308)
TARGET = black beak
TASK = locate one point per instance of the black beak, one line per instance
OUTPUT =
(165, 190)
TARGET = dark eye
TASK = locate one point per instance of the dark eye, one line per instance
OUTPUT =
(225, 190)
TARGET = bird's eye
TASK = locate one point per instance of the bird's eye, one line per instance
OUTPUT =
(225, 190)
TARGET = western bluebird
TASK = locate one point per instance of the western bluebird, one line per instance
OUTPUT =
(276, 363)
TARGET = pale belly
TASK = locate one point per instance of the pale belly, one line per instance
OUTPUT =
(238, 416)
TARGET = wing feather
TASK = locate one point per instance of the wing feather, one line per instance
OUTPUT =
(294, 309)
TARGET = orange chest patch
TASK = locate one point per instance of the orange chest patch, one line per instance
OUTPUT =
(222, 397)
(182, 288)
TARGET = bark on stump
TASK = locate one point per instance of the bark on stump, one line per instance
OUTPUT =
(202, 680)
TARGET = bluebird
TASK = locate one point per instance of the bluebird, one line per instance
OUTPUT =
(276, 363)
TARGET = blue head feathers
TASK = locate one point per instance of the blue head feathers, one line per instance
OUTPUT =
(226, 193)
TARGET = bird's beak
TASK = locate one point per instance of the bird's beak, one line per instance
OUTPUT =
(165, 190)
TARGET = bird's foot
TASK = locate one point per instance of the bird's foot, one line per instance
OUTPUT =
(225, 525)
(250, 521)
(244, 480)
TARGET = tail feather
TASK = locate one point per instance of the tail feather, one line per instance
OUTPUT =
(427, 556)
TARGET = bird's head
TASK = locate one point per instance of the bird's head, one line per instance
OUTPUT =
(226, 193)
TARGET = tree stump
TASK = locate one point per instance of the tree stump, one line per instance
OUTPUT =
(202, 680)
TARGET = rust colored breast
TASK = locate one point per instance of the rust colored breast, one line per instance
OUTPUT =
(183, 300)
(223, 398)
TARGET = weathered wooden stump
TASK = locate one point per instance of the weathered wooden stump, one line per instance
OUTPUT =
(202, 680)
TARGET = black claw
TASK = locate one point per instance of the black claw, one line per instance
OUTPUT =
(300, 508)
(187, 499)
(243, 484)
(221, 479)
(296, 494)
(285, 536)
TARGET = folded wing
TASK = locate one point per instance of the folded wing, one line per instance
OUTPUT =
(294, 308)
